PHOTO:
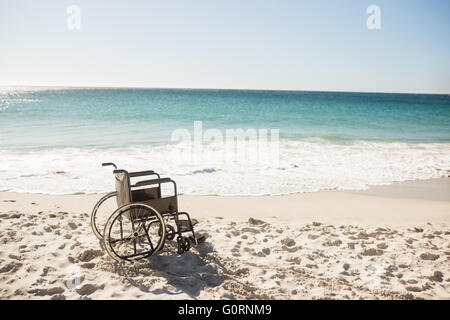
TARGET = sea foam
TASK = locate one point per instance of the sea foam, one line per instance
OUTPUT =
(303, 166)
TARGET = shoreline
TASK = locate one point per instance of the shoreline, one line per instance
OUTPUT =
(429, 189)
(401, 204)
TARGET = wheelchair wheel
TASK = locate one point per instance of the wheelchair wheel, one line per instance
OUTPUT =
(170, 232)
(132, 232)
(101, 212)
(183, 245)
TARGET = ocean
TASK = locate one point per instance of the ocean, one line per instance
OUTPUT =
(53, 140)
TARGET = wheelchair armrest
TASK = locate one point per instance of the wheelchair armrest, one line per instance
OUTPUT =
(151, 182)
(141, 173)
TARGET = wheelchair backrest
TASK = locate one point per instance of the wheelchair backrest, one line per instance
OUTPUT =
(122, 187)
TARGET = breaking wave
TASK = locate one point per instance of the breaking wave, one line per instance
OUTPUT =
(302, 166)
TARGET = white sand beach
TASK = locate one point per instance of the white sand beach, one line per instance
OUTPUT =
(311, 145)
(324, 245)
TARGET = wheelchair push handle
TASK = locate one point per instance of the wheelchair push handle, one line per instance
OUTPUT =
(106, 164)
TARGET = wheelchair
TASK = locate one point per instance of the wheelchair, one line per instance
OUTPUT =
(142, 219)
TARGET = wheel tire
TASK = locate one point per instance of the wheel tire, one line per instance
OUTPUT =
(180, 246)
(171, 234)
(186, 244)
(96, 227)
(183, 245)
(121, 213)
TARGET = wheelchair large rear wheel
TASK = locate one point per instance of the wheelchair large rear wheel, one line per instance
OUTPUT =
(133, 232)
(101, 212)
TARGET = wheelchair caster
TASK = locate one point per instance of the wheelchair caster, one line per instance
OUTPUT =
(170, 232)
(183, 245)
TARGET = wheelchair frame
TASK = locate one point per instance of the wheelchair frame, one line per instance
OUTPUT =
(143, 196)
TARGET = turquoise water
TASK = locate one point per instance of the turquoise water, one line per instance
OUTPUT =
(118, 117)
(53, 140)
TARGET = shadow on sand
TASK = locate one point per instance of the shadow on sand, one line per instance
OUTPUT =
(189, 273)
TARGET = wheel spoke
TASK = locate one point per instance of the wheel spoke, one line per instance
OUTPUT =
(148, 237)
(137, 225)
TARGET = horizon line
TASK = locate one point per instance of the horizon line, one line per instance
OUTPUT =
(212, 88)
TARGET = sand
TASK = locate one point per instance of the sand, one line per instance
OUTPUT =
(324, 245)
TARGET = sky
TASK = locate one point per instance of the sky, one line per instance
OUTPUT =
(245, 44)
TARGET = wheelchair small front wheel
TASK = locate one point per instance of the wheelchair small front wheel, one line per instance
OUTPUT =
(184, 245)
(170, 232)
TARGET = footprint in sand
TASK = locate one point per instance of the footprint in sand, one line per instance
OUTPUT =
(87, 289)
(88, 265)
(11, 267)
(235, 233)
(372, 252)
(259, 254)
(46, 270)
(288, 242)
(429, 256)
(382, 246)
(11, 215)
(414, 289)
(13, 256)
(295, 260)
(46, 292)
(29, 224)
(90, 254)
(250, 230)
(72, 225)
(331, 243)
(235, 252)
(256, 222)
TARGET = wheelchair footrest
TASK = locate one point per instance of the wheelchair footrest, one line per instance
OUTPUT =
(200, 239)
(185, 226)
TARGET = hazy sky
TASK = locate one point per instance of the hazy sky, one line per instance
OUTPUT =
(253, 44)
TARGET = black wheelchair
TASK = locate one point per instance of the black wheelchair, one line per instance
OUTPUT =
(142, 219)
